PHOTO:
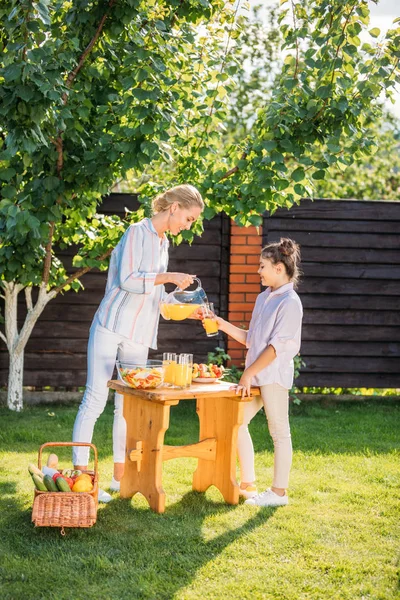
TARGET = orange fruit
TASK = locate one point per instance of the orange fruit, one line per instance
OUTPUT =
(84, 477)
(82, 486)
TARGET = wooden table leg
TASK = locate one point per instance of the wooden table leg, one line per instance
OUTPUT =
(146, 422)
(220, 418)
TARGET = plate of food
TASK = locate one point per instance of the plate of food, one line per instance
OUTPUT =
(207, 373)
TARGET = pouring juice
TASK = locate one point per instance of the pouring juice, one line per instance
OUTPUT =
(178, 312)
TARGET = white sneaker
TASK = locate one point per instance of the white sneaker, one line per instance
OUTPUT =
(248, 492)
(115, 485)
(103, 496)
(268, 498)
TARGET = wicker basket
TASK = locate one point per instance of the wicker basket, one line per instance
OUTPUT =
(66, 509)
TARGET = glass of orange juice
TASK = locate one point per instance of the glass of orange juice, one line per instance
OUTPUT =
(169, 364)
(189, 371)
(181, 371)
(210, 325)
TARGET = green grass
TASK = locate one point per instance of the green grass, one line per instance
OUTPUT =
(338, 538)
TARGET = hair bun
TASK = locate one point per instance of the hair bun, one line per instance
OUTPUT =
(287, 247)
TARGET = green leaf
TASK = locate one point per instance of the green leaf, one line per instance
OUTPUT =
(7, 174)
(25, 92)
(12, 72)
(269, 145)
(375, 32)
(298, 174)
(318, 174)
(8, 191)
(324, 91)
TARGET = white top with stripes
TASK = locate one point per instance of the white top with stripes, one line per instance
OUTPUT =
(130, 306)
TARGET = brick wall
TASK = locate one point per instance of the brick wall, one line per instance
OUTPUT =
(244, 282)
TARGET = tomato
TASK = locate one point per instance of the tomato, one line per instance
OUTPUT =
(69, 480)
(56, 475)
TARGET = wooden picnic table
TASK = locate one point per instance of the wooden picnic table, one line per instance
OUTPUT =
(146, 412)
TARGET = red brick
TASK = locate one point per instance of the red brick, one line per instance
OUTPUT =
(238, 268)
(245, 249)
(235, 316)
(252, 278)
(237, 259)
(235, 344)
(250, 259)
(248, 316)
(236, 229)
(237, 306)
(249, 297)
(239, 239)
(244, 287)
(237, 278)
(236, 354)
(243, 268)
(236, 298)
(254, 240)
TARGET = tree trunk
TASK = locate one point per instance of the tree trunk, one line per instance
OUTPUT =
(15, 381)
(15, 340)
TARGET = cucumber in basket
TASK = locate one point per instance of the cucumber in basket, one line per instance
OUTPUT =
(50, 484)
(38, 481)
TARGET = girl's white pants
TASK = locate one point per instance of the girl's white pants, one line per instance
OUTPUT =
(103, 349)
(275, 399)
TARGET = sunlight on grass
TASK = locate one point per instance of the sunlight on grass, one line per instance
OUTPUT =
(337, 539)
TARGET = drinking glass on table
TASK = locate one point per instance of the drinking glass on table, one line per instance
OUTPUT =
(210, 325)
(189, 371)
(169, 364)
(181, 371)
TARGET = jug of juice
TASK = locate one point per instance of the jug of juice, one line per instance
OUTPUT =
(180, 304)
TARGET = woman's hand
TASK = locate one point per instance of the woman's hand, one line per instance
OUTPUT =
(244, 385)
(182, 280)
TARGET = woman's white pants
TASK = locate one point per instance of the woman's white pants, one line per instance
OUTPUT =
(104, 348)
(275, 400)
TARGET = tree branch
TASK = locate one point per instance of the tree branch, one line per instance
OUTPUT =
(28, 298)
(79, 273)
(74, 73)
(47, 258)
(233, 170)
(297, 41)
(3, 337)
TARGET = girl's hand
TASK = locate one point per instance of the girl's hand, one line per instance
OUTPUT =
(182, 280)
(214, 317)
(244, 385)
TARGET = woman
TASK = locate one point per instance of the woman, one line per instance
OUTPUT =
(125, 325)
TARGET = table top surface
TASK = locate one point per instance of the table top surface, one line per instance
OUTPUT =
(197, 390)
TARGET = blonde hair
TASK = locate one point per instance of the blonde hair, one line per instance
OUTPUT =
(185, 195)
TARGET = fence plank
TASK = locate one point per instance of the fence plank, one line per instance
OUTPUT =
(342, 209)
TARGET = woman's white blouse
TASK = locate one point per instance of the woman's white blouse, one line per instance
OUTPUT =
(130, 306)
(276, 321)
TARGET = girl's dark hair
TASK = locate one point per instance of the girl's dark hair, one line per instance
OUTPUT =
(285, 251)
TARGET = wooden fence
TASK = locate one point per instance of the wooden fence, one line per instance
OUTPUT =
(350, 289)
(56, 352)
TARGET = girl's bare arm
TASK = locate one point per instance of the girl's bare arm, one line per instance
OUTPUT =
(240, 335)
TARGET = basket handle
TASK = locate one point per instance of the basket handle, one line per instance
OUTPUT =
(63, 444)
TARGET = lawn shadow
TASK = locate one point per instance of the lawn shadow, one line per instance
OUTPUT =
(131, 552)
(173, 545)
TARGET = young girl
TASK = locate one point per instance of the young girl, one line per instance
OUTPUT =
(126, 322)
(273, 339)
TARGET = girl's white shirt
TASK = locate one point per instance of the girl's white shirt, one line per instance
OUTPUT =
(130, 306)
(276, 321)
